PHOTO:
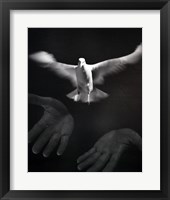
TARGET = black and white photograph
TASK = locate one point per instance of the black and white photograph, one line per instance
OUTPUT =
(85, 99)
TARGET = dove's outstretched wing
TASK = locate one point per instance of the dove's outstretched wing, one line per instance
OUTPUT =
(46, 60)
(112, 66)
(102, 69)
(64, 71)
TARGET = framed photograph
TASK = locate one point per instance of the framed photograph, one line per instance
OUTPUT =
(84, 99)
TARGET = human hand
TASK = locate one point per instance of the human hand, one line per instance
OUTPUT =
(106, 152)
(53, 129)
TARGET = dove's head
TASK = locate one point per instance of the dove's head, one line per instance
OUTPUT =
(81, 62)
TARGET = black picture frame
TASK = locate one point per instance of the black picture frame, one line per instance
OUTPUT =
(5, 7)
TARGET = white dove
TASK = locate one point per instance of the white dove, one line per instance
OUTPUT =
(85, 77)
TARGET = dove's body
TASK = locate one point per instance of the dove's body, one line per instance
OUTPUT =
(84, 80)
(84, 76)
(85, 91)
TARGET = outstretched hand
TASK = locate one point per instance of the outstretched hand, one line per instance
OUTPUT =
(53, 129)
(106, 152)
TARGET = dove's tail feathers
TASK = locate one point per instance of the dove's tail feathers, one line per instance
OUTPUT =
(95, 96)
(74, 95)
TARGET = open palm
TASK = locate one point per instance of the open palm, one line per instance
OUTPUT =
(53, 129)
(106, 152)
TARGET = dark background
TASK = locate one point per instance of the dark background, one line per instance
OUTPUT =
(122, 109)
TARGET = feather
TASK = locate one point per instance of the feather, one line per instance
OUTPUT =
(102, 69)
(113, 66)
(46, 60)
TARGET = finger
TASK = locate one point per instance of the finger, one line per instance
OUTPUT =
(41, 141)
(89, 161)
(51, 145)
(114, 159)
(86, 155)
(100, 163)
(36, 130)
(63, 145)
(66, 131)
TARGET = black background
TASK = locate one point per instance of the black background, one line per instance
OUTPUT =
(122, 109)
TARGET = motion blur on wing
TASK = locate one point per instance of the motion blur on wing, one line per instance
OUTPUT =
(84, 77)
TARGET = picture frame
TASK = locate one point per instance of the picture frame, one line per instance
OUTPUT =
(6, 6)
